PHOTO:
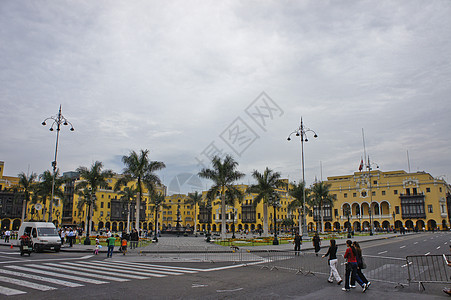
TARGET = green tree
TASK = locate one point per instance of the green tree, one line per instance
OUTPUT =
(232, 196)
(194, 199)
(320, 197)
(267, 183)
(43, 191)
(128, 195)
(92, 179)
(26, 183)
(86, 198)
(138, 167)
(296, 191)
(156, 202)
(223, 173)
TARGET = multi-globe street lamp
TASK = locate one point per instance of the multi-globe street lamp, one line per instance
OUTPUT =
(57, 121)
(301, 132)
(370, 211)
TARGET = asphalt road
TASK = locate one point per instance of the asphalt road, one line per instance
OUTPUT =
(78, 275)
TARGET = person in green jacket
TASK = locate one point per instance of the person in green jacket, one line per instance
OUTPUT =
(110, 242)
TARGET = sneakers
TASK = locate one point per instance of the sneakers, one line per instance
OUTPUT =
(330, 281)
(353, 286)
(345, 289)
(364, 286)
(339, 282)
(368, 284)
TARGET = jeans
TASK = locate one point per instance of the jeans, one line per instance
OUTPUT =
(110, 251)
(351, 271)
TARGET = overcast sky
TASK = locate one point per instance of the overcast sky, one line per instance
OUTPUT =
(183, 78)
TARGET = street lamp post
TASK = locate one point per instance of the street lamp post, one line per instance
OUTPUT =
(368, 166)
(302, 131)
(56, 122)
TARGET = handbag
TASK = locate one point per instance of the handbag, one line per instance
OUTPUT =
(363, 265)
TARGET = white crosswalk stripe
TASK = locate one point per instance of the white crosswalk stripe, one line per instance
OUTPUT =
(59, 275)
(109, 268)
(58, 268)
(19, 279)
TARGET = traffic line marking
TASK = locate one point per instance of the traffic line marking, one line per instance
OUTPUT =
(55, 274)
(58, 268)
(123, 270)
(28, 284)
(415, 243)
(94, 269)
(428, 253)
(438, 247)
(40, 278)
(9, 292)
(382, 252)
(402, 247)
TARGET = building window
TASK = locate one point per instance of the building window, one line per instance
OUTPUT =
(395, 192)
(346, 195)
(397, 210)
(101, 213)
(259, 216)
(383, 193)
(354, 194)
(415, 191)
(102, 196)
(428, 190)
(364, 194)
(440, 189)
(109, 204)
(375, 182)
(407, 191)
(101, 204)
(430, 208)
(373, 193)
(336, 212)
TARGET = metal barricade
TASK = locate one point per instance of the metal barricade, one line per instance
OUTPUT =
(428, 269)
(379, 268)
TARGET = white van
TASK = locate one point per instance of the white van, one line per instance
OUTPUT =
(42, 234)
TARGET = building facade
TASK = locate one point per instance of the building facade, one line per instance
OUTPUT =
(387, 200)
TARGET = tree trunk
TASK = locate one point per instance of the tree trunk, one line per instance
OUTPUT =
(128, 218)
(138, 205)
(265, 220)
(24, 208)
(300, 221)
(195, 220)
(322, 218)
(223, 216)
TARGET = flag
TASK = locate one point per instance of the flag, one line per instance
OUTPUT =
(361, 165)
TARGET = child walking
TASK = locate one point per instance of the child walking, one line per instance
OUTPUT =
(96, 251)
(124, 245)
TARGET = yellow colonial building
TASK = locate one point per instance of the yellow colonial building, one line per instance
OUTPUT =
(416, 201)
(387, 200)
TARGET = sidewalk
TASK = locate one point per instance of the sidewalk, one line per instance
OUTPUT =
(198, 244)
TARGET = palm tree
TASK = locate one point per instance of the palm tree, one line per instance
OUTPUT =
(223, 174)
(43, 191)
(194, 199)
(93, 179)
(156, 201)
(297, 192)
(320, 196)
(26, 184)
(265, 188)
(128, 195)
(274, 201)
(88, 198)
(138, 167)
(231, 196)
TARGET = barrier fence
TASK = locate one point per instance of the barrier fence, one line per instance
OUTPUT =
(398, 271)
(428, 269)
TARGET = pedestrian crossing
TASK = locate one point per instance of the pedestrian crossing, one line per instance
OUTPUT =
(49, 276)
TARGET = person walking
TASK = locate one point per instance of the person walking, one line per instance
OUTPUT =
(96, 251)
(71, 237)
(7, 235)
(351, 267)
(297, 244)
(316, 243)
(110, 242)
(333, 262)
(360, 266)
